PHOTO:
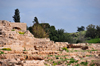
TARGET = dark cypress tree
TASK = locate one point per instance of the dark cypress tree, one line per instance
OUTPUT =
(36, 20)
(17, 16)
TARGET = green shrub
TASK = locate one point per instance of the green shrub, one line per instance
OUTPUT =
(59, 62)
(1, 52)
(13, 30)
(77, 64)
(54, 63)
(51, 60)
(7, 49)
(89, 55)
(76, 50)
(21, 32)
(84, 63)
(68, 64)
(24, 49)
(92, 64)
(65, 48)
(50, 55)
(73, 60)
(93, 50)
(57, 56)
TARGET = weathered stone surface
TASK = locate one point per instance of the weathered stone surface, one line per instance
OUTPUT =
(12, 38)
(26, 50)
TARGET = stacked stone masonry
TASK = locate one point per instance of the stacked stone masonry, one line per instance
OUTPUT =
(10, 37)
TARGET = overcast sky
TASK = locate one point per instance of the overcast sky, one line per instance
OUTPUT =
(65, 14)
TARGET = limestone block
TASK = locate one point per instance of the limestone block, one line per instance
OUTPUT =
(27, 33)
(25, 52)
(5, 23)
(13, 61)
(22, 58)
(15, 47)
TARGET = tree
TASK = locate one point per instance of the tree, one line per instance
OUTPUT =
(91, 31)
(38, 31)
(82, 28)
(67, 38)
(36, 20)
(52, 27)
(30, 29)
(45, 26)
(98, 31)
(53, 33)
(56, 35)
(17, 16)
(60, 35)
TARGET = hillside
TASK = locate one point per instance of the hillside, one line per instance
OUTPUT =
(95, 40)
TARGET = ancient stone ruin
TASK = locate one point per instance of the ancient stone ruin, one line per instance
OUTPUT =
(18, 47)
(10, 34)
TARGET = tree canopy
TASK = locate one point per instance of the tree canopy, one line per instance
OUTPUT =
(16, 17)
(91, 31)
(82, 28)
(36, 20)
(38, 31)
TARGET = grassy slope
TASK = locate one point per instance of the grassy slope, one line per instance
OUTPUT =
(81, 36)
(96, 40)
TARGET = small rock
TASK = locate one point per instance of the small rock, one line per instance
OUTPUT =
(22, 58)
(18, 59)
(25, 52)
(76, 58)
(13, 61)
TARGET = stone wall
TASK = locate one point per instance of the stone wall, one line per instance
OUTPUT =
(20, 25)
(13, 39)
